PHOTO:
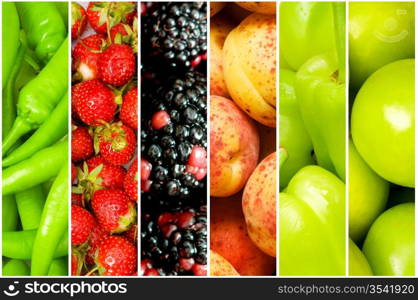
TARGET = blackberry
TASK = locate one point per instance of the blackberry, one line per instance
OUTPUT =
(170, 144)
(175, 243)
(177, 32)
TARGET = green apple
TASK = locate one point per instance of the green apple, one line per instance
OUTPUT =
(368, 195)
(379, 33)
(390, 244)
(357, 262)
(383, 122)
(306, 30)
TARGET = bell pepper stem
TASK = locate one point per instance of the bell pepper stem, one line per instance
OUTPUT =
(339, 23)
(20, 127)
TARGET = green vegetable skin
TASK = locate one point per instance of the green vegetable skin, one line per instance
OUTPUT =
(44, 26)
(15, 267)
(358, 264)
(386, 141)
(10, 39)
(390, 244)
(320, 90)
(54, 223)
(306, 30)
(19, 244)
(312, 224)
(10, 215)
(40, 96)
(379, 33)
(54, 128)
(293, 135)
(37, 169)
(30, 203)
(59, 267)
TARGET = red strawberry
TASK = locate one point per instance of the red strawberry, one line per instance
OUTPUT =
(130, 183)
(81, 144)
(115, 142)
(78, 20)
(129, 110)
(98, 235)
(117, 64)
(86, 55)
(77, 199)
(116, 256)
(113, 210)
(100, 13)
(111, 176)
(82, 223)
(132, 234)
(93, 102)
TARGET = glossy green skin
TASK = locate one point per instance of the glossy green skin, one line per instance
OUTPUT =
(383, 122)
(39, 97)
(312, 224)
(10, 216)
(368, 194)
(19, 244)
(53, 129)
(10, 39)
(44, 27)
(30, 204)
(54, 223)
(306, 30)
(379, 33)
(322, 103)
(15, 267)
(43, 165)
(59, 267)
(390, 244)
(293, 135)
(358, 264)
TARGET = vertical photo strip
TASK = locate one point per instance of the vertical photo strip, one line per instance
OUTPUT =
(35, 162)
(243, 173)
(104, 125)
(174, 140)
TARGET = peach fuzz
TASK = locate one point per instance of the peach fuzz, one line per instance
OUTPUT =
(249, 63)
(229, 238)
(219, 29)
(219, 266)
(234, 143)
(259, 205)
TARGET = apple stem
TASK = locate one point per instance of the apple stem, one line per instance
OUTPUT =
(339, 23)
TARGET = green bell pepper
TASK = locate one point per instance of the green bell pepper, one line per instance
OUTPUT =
(293, 135)
(312, 224)
(306, 30)
(10, 39)
(320, 90)
(358, 264)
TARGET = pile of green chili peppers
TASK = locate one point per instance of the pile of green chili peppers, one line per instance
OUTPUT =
(35, 141)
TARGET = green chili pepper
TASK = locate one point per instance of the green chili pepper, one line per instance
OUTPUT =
(63, 10)
(10, 215)
(59, 267)
(8, 104)
(39, 97)
(37, 169)
(44, 26)
(53, 129)
(10, 39)
(53, 225)
(19, 244)
(15, 267)
(30, 204)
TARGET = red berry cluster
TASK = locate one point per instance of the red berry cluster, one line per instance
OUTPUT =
(104, 140)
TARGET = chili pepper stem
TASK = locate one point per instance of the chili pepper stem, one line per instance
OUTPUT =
(20, 127)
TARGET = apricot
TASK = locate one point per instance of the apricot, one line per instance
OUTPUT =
(268, 8)
(259, 205)
(249, 62)
(219, 266)
(234, 143)
(229, 238)
(219, 29)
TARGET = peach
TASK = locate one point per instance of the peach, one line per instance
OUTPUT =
(235, 13)
(219, 266)
(268, 8)
(249, 62)
(234, 146)
(229, 238)
(219, 29)
(215, 7)
(267, 140)
(259, 205)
